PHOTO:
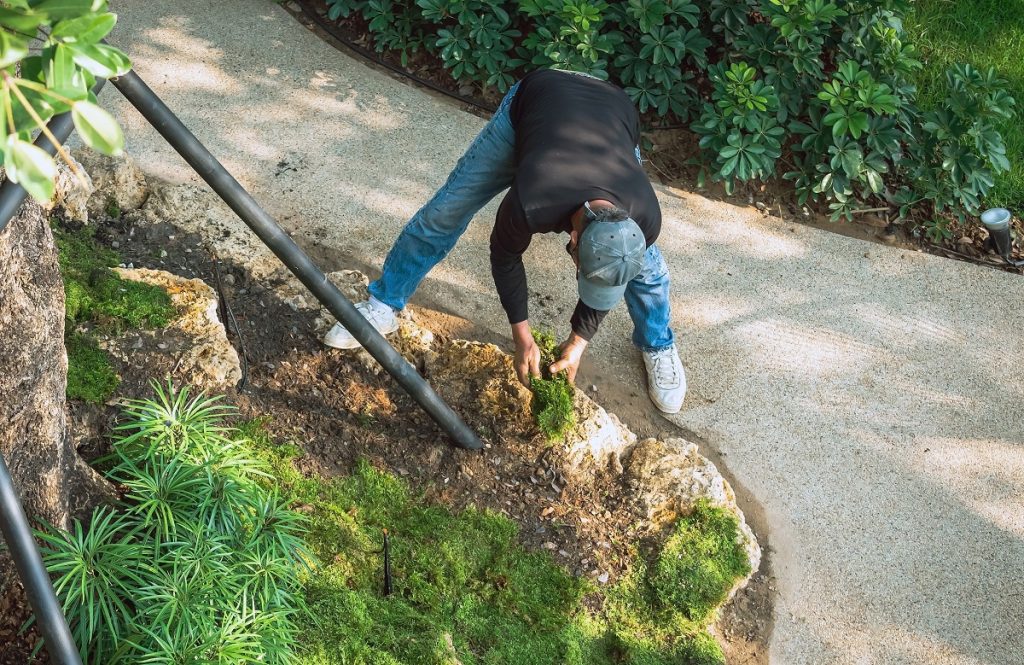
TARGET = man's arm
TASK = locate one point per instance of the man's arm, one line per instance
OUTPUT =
(509, 240)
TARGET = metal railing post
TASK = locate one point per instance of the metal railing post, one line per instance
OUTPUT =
(41, 596)
(297, 261)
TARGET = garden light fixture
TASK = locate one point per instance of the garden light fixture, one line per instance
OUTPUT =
(997, 221)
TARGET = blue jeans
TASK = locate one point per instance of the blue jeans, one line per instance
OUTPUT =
(484, 171)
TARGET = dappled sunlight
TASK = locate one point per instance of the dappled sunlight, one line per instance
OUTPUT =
(734, 234)
(711, 310)
(791, 347)
(984, 473)
(915, 327)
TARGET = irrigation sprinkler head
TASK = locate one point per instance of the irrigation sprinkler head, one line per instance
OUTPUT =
(997, 221)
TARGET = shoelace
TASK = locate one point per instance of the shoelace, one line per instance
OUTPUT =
(664, 368)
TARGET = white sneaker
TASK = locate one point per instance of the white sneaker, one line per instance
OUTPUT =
(666, 379)
(377, 313)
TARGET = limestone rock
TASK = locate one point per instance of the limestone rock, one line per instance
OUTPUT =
(209, 362)
(598, 441)
(669, 477)
(200, 211)
(72, 192)
(47, 472)
(117, 180)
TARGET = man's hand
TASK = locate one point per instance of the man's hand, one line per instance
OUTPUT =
(527, 356)
(572, 351)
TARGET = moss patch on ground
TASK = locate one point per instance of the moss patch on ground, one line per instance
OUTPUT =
(91, 377)
(96, 295)
(984, 33)
(466, 591)
(552, 395)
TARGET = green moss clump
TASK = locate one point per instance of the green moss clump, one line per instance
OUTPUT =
(552, 395)
(667, 602)
(95, 293)
(465, 590)
(91, 377)
(699, 563)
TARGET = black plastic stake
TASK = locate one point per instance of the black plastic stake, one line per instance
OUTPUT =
(18, 536)
(387, 564)
(298, 262)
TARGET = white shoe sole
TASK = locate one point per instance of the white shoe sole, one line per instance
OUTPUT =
(352, 342)
(665, 409)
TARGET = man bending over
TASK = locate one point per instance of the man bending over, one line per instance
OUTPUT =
(567, 146)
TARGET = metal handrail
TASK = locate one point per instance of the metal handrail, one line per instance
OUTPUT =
(29, 564)
(297, 261)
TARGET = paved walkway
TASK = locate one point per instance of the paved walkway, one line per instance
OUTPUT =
(869, 397)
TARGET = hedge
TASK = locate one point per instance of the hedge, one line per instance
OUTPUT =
(813, 91)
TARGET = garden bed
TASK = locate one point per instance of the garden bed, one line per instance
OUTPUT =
(340, 416)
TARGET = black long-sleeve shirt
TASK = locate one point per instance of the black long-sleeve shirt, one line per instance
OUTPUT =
(575, 141)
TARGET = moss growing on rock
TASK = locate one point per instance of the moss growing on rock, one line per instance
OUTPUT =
(668, 600)
(552, 395)
(95, 294)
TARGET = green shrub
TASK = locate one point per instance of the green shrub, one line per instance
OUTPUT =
(819, 92)
(200, 563)
(552, 395)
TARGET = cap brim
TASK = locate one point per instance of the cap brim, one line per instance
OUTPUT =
(596, 295)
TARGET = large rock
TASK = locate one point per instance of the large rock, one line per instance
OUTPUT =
(669, 477)
(199, 210)
(47, 472)
(117, 181)
(208, 362)
(72, 190)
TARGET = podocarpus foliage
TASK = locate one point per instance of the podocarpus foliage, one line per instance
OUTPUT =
(201, 561)
(816, 91)
(56, 78)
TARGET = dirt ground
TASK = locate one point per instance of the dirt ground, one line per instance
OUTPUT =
(338, 410)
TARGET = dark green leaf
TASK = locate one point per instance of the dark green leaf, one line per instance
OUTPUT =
(87, 29)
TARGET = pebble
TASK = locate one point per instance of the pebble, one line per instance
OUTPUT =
(549, 546)
(760, 205)
(603, 578)
(563, 553)
(161, 345)
(163, 253)
(115, 244)
(593, 388)
(229, 279)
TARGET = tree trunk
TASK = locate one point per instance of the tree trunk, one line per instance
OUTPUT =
(46, 470)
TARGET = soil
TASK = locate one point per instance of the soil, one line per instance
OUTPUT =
(338, 410)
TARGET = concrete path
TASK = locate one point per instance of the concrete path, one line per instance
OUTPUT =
(870, 398)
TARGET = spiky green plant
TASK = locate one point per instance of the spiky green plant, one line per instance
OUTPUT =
(202, 562)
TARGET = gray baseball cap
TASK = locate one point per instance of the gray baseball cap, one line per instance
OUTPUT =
(610, 255)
